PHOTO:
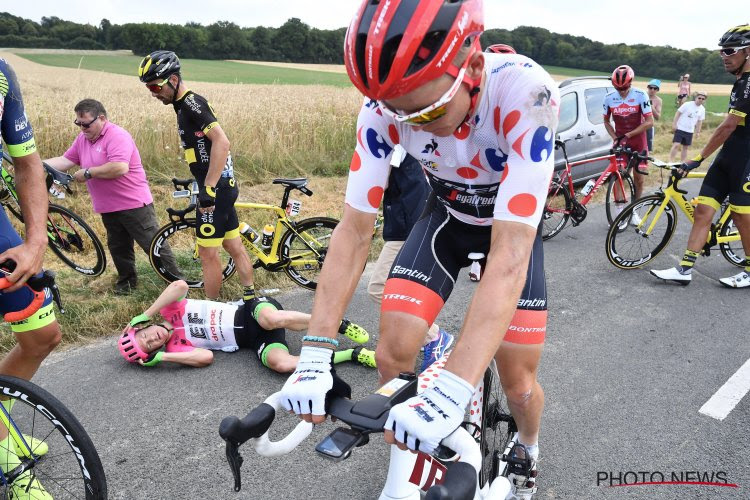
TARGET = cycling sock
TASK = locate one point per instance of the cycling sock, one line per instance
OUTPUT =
(341, 356)
(248, 292)
(688, 261)
(532, 450)
(432, 334)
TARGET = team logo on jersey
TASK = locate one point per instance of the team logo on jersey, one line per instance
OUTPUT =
(431, 148)
(377, 146)
(496, 158)
(21, 123)
(429, 164)
(541, 142)
(199, 133)
(543, 97)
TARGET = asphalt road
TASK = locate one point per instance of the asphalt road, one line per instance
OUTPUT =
(628, 363)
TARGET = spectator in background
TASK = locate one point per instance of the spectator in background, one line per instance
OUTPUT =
(656, 102)
(112, 170)
(683, 89)
(687, 123)
(404, 200)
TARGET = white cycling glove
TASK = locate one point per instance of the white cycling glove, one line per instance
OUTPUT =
(423, 421)
(305, 390)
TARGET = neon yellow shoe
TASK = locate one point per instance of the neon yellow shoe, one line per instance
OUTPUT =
(28, 487)
(355, 332)
(38, 447)
(364, 357)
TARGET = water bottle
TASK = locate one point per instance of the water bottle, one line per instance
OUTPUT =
(249, 233)
(267, 237)
(588, 187)
(54, 191)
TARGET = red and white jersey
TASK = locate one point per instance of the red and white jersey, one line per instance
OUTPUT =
(628, 112)
(499, 167)
(200, 323)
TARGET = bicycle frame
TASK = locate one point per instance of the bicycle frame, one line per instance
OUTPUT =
(565, 179)
(15, 434)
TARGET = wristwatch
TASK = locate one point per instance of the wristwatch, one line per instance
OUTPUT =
(87, 174)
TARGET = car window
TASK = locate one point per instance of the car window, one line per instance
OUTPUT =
(568, 111)
(594, 103)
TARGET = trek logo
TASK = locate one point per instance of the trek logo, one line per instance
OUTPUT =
(435, 407)
(421, 412)
(381, 17)
(435, 471)
(412, 273)
(461, 27)
(398, 296)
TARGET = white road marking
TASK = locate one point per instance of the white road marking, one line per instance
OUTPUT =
(727, 397)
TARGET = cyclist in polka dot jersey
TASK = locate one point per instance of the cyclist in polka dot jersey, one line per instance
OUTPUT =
(482, 126)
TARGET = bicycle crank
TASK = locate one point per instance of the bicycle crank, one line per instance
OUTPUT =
(578, 214)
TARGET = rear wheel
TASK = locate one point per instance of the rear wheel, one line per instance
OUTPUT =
(620, 192)
(557, 210)
(631, 243)
(71, 239)
(496, 424)
(179, 237)
(305, 248)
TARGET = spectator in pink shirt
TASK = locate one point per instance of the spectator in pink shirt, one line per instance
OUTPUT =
(112, 170)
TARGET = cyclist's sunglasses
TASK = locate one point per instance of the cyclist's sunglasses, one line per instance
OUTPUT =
(85, 125)
(653, 88)
(156, 87)
(434, 111)
(730, 51)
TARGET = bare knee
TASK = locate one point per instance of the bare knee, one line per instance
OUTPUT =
(281, 361)
(39, 343)
(269, 319)
(521, 394)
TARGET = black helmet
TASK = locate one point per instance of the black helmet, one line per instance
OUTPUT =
(158, 64)
(739, 36)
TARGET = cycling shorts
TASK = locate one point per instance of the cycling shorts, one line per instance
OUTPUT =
(637, 143)
(426, 268)
(250, 335)
(221, 224)
(20, 299)
(729, 175)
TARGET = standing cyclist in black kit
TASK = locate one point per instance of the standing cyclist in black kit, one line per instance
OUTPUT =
(729, 174)
(207, 153)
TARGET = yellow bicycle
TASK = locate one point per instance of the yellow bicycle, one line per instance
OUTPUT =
(644, 228)
(297, 248)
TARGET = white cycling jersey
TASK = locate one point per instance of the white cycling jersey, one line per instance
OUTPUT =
(499, 167)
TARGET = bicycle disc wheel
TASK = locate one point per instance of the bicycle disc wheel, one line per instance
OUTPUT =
(179, 237)
(305, 247)
(631, 244)
(615, 197)
(732, 251)
(71, 239)
(557, 210)
(68, 466)
(496, 425)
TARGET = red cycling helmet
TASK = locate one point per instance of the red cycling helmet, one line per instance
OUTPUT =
(392, 47)
(622, 77)
(500, 48)
(129, 347)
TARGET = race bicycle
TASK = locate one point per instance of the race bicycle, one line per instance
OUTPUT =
(297, 248)
(645, 227)
(472, 463)
(68, 235)
(562, 201)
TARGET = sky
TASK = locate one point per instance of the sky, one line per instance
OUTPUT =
(686, 24)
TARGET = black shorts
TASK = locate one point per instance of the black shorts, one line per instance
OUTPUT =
(426, 268)
(221, 224)
(682, 137)
(250, 335)
(650, 139)
(729, 175)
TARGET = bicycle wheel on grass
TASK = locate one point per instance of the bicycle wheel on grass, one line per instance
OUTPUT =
(630, 244)
(305, 247)
(619, 194)
(496, 425)
(71, 239)
(557, 210)
(64, 459)
(732, 251)
(180, 239)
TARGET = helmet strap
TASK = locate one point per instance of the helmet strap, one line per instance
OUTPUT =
(179, 80)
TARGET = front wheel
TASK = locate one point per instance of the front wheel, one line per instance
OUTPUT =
(305, 247)
(496, 425)
(632, 241)
(557, 210)
(620, 192)
(60, 457)
(732, 251)
(174, 255)
(71, 239)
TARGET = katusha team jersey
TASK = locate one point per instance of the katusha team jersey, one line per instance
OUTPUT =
(200, 323)
(628, 112)
(499, 167)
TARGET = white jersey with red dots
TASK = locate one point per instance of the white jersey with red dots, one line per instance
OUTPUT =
(498, 167)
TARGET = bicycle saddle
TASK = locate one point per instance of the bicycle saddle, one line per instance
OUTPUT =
(297, 183)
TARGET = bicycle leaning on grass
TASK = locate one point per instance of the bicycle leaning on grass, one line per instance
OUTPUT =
(644, 228)
(562, 202)
(472, 463)
(297, 248)
(68, 235)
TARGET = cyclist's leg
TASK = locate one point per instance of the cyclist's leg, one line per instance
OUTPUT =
(232, 242)
(739, 204)
(379, 273)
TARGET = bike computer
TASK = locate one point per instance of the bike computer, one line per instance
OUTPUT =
(338, 445)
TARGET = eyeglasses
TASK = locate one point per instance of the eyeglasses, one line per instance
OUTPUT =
(156, 87)
(730, 51)
(434, 111)
(653, 88)
(85, 125)
(700, 98)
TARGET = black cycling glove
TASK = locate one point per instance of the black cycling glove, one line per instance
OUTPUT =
(207, 196)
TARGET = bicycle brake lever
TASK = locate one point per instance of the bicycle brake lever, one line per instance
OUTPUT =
(235, 463)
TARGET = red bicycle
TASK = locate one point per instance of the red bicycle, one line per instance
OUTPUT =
(562, 202)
